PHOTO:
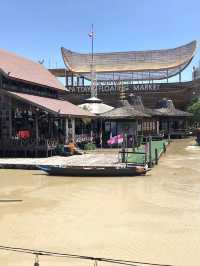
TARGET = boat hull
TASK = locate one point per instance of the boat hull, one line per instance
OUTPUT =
(94, 171)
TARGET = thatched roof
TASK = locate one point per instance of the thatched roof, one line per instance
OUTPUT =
(136, 102)
(126, 111)
(132, 65)
(167, 108)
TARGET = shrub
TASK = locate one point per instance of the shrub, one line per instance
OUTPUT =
(89, 146)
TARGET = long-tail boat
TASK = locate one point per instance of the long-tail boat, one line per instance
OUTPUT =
(94, 171)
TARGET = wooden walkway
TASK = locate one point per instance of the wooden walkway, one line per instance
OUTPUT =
(148, 154)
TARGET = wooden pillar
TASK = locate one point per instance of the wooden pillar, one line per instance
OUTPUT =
(180, 76)
(6, 119)
(66, 130)
(169, 126)
(142, 126)
(1, 81)
(101, 133)
(72, 79)
(113, 79)
(73, 128)
(78, 81)
(158, 127)
(167, 76)
(36, 133)
(49, 126)
(10, 117)
(186, 123)
(66, 79)
(83, 81)
(150, 151)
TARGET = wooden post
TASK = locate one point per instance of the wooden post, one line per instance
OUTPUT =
(150, 152)
(72, 79)
(77, 81)
(145, 158)
(36, 133)
(156, 156)
(164, 147)
(157, 127)
(10, 117)
(180, 77)
(83, 81)
(123, 154)
(66, 131)
(169, 138)
(66, 79)
(142, 126)
(1, 81)
(101, 135)
(167, 76)
(73, 129)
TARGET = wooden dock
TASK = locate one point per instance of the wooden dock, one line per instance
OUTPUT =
(91, 159)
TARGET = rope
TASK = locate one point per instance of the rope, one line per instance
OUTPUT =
(38, 253)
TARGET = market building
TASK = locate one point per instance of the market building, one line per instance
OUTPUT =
(144, 73)
(34, 117)
(115, 92)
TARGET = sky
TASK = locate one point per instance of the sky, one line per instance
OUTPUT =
(37, 29)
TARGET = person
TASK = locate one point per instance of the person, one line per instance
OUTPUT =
(71, 147)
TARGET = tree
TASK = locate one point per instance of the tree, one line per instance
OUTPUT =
(195, 110)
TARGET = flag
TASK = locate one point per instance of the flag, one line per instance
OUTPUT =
(115, 140)
(120, 139)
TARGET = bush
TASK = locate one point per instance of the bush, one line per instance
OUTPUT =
(89, 146)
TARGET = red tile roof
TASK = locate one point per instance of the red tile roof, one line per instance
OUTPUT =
(18, 67)
(58, 107)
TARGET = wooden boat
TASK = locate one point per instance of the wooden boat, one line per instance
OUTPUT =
(94, 171)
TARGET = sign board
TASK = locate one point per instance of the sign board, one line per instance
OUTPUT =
(113, 88)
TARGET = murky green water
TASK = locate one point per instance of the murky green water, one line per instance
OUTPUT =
(155, 218)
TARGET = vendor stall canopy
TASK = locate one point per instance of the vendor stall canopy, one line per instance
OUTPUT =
(95, 106)
(133, 65)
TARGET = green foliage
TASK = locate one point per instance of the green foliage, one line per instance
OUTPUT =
(195, 110)
(195, 100)
(89, 146)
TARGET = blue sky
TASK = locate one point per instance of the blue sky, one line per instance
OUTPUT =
(37, 29)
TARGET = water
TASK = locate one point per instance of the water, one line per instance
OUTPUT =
(155, 218)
